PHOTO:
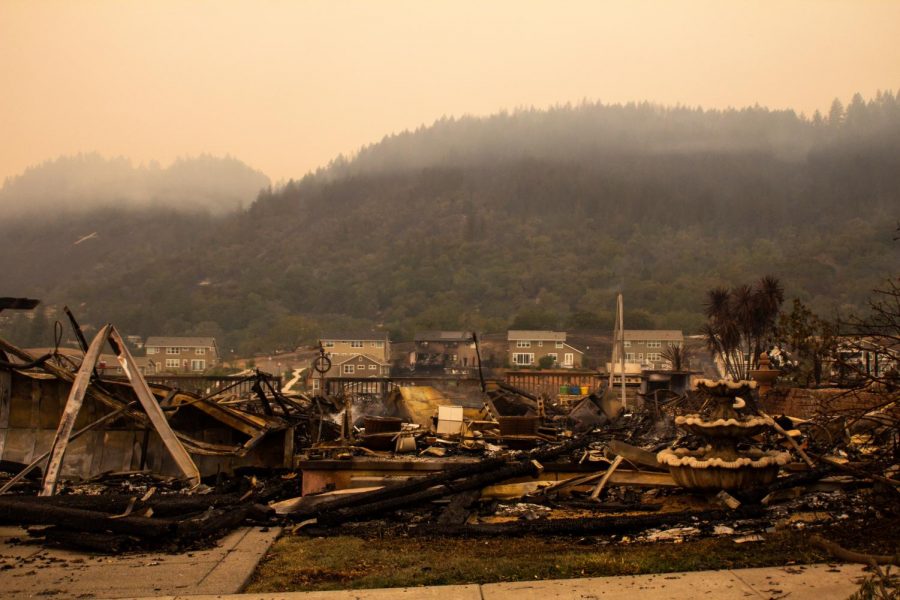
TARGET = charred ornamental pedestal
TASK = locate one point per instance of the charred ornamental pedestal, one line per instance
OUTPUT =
(720, 465)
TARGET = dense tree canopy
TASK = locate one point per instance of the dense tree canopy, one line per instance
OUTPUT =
(533, 218)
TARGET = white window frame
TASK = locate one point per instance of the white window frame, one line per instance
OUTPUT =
(378, 344)
(328, 344)
(654, 356)
(629, 357)
(627, 343)
(316, 383)
(559, 344)
(540, 343)
(172, 350)
(348, 370)
(554, 356)
(152, 350)
(198, 364)
(654, 344)
(200, 351)
(523, 344)
(173, 363)
(517, 356)
(356, 344)
(373, 367)
(569, 359)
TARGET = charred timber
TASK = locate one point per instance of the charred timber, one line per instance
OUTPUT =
(416, 488)
(24, 512)
(163, 506)
(601, 526)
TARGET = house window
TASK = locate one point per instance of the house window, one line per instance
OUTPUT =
(523, 344)
(316, 383)
(372, 367)
(200, 351)
(629, 357)
(523, 358)
(654, 356)
(553, 355)
(540, 344)
(628, 343)
(654, 344)
(378, 344)
(329, 344)
(569, 359)
(198, 364)
(349, 369)
(173, 363)
(152, 349)
(171, 350)
(559, 344)
(356, 344)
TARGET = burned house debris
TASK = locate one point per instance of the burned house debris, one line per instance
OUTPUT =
(115, 464)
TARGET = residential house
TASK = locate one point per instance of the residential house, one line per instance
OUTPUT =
(644, 347)
(527, 348)
(376, 345)
(445, 351)
(350, 366)
(183, 355)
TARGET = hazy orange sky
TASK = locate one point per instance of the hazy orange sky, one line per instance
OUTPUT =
(286, 86)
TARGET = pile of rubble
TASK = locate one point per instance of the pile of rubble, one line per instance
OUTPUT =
(186, 468)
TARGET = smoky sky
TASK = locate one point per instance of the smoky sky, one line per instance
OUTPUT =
(287, 86)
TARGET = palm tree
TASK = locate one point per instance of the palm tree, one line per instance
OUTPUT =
(740, 321)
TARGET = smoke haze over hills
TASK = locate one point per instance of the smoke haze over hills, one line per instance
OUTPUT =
(87, 182)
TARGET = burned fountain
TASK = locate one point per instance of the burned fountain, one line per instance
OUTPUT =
(721, 465)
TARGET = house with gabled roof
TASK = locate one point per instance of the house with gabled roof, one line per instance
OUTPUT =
(526, 348)
(375, 344)
(175, 354)
(644, 347)
(348, 366)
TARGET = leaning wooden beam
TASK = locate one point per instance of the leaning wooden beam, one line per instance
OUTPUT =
(595, 494)
(70, 412)
(152, 408)
(789, 439)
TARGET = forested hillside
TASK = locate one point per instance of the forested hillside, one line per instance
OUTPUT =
(531, 219)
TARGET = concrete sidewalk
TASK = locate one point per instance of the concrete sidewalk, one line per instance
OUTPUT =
(32, 571)
(802, 582)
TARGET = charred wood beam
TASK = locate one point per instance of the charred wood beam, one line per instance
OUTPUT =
(22, 511)
(419, 484)
(163, 506)
(376, 508)
(580, 527)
